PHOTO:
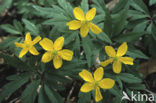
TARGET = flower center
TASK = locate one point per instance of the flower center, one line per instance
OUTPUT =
(115, 58)
(96, 84)
(85, 22)
(54, 52)
(27, 45)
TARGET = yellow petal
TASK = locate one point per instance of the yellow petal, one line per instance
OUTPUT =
(19, 45)
(46, 44)
(117, 66)
(66, 54)
(98, 95)
(87, 87)
(57, 62)
(87, 76)
(127, 60)
(122, 49)
(36, 40)
(58, 44)
(98, 74)
(106, 62)
(78, 13)
(27, 37)
(23, 52)
(107, 83)
(33, 51)
(110, 51)
(84, 30)
(94, 28)
(91, 14)
(47, 57)
(74, 24)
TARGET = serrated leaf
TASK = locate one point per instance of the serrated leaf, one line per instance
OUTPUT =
(152, 2)
(84, 5)
(31, 27)
(129, 37)
(13, 86)
(136, 54)
(5, 5)
(28, 97)
(129, 78)
(50, 94)
(103, 36)
(10, 29)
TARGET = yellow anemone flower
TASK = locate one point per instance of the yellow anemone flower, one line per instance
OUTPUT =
(117, 58)
(95, 82)
(84, 22)
(28, 45)
(55, 52)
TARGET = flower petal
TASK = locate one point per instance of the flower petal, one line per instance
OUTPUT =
(79, 14)
(33, 51)
(122, 49)
(98, 74)
(91, 14)
(46, 44)
(87, 87)
(107, 83)
(66, 54)
(127, 60)
(23, 52)
(18, 45)
(98, 95)
(110, 51)
(57, 62)
(87, 76)
(27, 37)
(84, 30)
(58, 44)
(94, 28)
(36, 40)
(106, 62)
(74, 24)
(117, 66)
(47, 57)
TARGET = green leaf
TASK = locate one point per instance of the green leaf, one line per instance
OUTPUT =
(87, 50)
(14, 62)
(30, 93)
(129, 78)
(120, 6)
(119, 21)
(13, 86)
(84, 97)
(152, 2)
(136, 54)
(5, 4)
(84, 5)
(136, 86)
(139, 5)
(154, 31)
(31, 27)
(43, 97)
(10, 29)
(8, 43)
(51, 95)
(129, 37)
(103, 36)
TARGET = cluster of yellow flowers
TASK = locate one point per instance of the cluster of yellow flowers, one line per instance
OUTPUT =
(55, 52)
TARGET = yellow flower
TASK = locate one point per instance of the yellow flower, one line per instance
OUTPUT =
(95, 83)
(84, 22)
(55, 52)
(117, 58)
(28, 45)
